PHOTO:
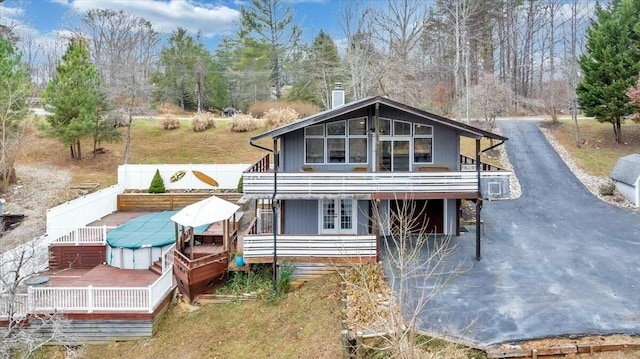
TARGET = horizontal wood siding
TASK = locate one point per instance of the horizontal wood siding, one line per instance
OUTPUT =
(325, 248)
(130, 202)
(301, 216)
(310, 271)
(95, 331)
(81, 256)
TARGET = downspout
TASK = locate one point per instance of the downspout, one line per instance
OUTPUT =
(478, 200)
(274, 222)
(273, 214)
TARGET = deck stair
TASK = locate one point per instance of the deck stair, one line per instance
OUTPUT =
(156, 267)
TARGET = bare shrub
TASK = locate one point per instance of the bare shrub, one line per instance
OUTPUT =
(170, 123)
(607, 189)
(304, 109)
(203, 121)
(243, 123)
(277, 117)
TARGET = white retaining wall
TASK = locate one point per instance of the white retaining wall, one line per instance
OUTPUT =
(140, 176)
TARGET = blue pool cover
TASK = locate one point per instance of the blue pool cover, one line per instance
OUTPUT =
(150, 230)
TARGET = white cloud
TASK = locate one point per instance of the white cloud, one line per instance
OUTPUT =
(167, 16)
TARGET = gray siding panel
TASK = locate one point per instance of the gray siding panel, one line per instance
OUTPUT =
(300, 217)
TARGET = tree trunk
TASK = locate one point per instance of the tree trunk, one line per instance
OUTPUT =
(127, 143)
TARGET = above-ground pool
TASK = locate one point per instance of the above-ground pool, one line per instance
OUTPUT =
(137, 243)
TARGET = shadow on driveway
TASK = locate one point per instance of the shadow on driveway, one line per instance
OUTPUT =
(555, 262)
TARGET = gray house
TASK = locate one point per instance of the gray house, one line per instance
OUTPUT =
(626, 175)
(340, 173)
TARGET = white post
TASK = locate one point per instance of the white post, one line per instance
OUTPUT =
(150, 299)
(75, 236)
(104, 234)
(90, 298)
(30, 302)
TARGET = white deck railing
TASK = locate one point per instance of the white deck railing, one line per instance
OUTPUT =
(87, 299)
(259, 184)
(167, 258)
(323, 246)
(84, 235)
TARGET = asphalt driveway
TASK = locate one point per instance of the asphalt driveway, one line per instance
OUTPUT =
(555, 262)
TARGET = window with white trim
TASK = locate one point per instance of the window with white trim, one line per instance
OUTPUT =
(422, 143)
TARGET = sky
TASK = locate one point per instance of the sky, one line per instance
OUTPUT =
(214, 18)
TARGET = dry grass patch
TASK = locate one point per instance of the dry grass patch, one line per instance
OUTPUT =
(150, 144)
(598, 153)
(303, 109)
(170, 123)
(305, 324)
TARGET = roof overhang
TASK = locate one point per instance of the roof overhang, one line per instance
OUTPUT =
(464, 129)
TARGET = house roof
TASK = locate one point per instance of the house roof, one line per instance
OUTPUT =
(466, 130)
(627, 169)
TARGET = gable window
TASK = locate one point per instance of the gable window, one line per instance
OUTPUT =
(314, 144)
(343, 141)
(358, 140)
(422, 143)
(336, 151)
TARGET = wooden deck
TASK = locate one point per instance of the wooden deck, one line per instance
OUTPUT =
(101, 276)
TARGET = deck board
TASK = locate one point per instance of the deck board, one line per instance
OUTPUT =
(102, 276)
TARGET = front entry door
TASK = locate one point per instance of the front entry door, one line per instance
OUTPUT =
(337, 216)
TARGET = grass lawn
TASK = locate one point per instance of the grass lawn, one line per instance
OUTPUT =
(150, 144)
(598, 152)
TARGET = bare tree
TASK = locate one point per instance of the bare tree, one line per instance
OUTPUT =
(354, 19)
(490, 98)
(26, 332)
(419, 266)
(124, 48)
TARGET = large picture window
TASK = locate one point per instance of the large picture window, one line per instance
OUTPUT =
(314, 144)
(344, 141)
(422, 143)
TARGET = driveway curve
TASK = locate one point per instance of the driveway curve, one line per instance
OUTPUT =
(555, 262)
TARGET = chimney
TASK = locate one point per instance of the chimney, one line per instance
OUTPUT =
(337, 96)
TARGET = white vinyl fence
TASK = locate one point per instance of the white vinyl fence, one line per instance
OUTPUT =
(139, 177)
(65, 218)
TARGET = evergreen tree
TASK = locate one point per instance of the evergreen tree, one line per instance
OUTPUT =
(189, 75)
(14, 89)
(272, 22)
(75, 98)
(610, 64)
(157, 184)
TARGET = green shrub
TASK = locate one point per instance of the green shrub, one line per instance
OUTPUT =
(285, 274)
(157, 184)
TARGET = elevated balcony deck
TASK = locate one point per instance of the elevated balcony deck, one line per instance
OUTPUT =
(436, 182)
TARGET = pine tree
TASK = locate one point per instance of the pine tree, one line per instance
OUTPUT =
(75, 98)
(14, 89)
(157, 184)
(610, 64)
